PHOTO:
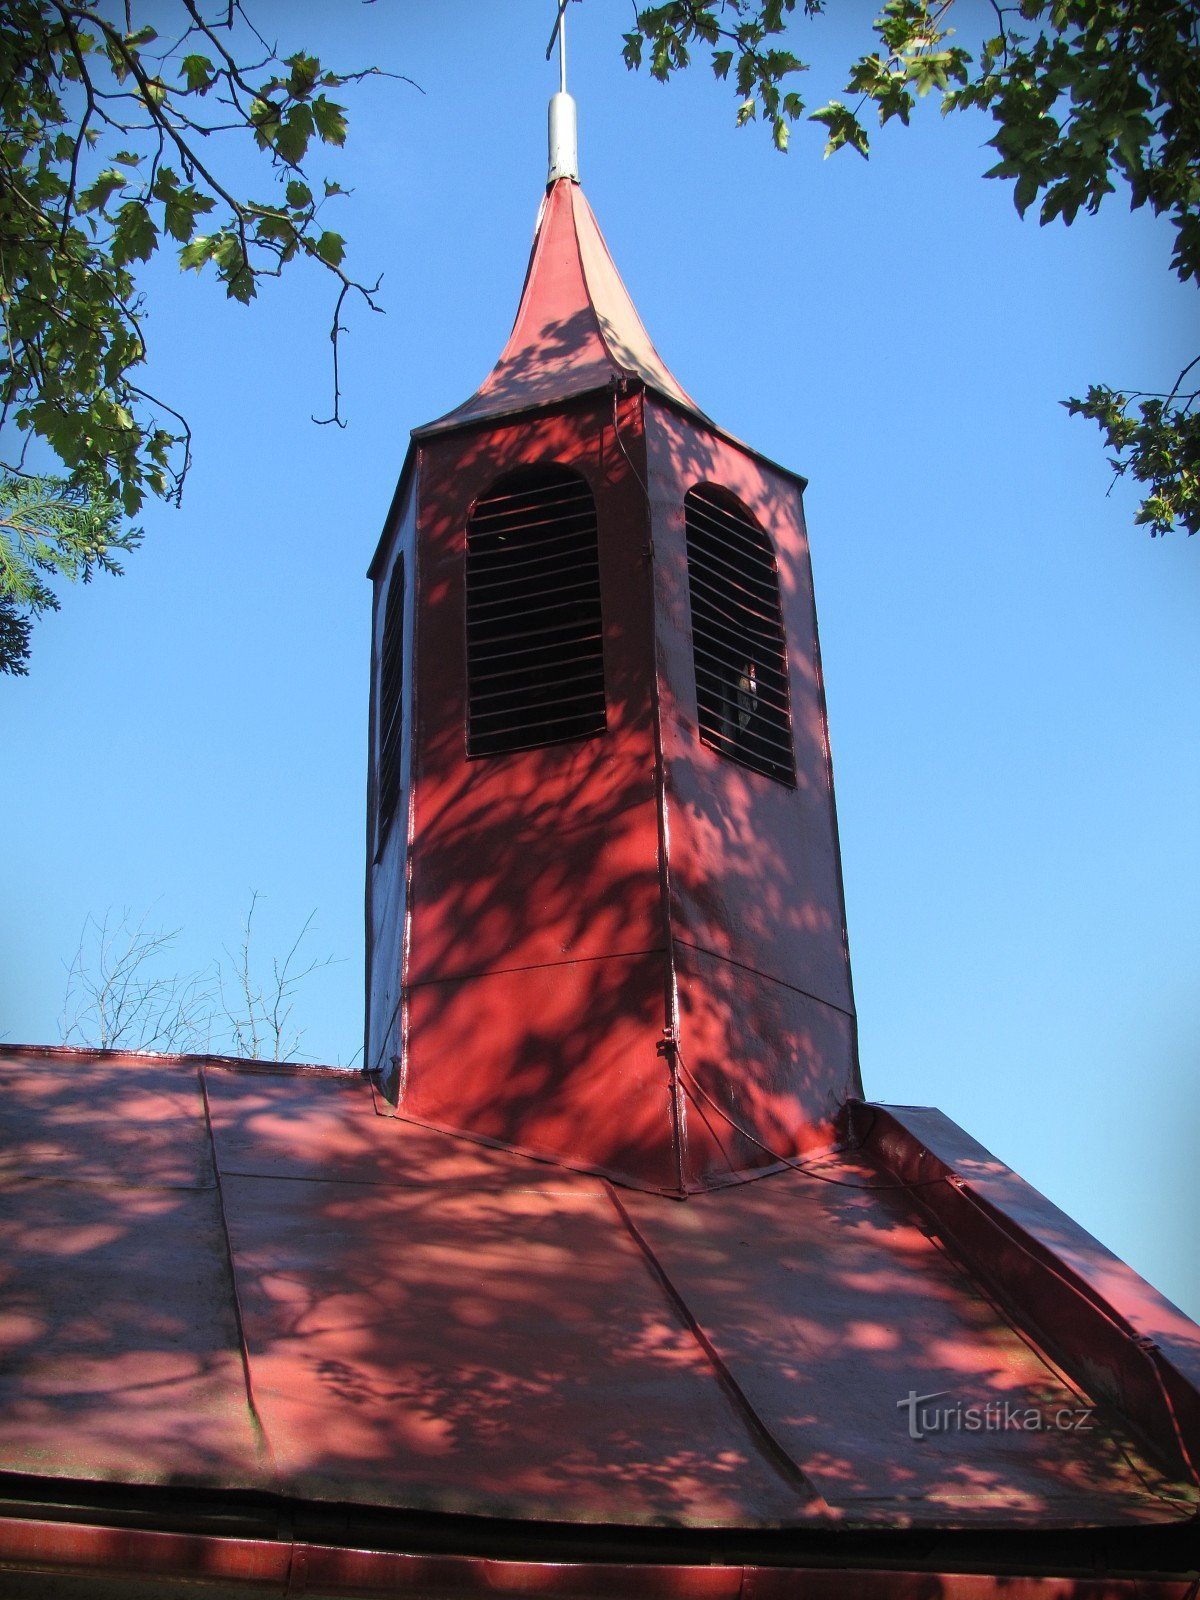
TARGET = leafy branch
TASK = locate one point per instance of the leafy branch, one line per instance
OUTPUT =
(112, 147)
(1159, 446)
(1083, 94)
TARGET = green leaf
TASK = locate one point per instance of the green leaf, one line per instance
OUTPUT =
(135, 236)
(294, 132)
(182, 209)
(264, 116)
(843, 128)
(305, 70)
(330, 119)
(1025, 192)
(97, 195)
(331, 248)
(242, 286)
(201, 249)
(273, 226)
(197, 73)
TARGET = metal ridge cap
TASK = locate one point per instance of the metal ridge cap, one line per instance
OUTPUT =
(170, 1058)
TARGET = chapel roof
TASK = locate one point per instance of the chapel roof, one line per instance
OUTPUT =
(261, 1280)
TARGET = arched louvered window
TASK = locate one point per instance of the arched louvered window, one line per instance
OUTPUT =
(737, 635)
(535, 662)
(391, 701)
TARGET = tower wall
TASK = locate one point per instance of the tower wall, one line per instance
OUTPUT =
(536, 975)
(387, 857)
(628, 951)
(765, 1010)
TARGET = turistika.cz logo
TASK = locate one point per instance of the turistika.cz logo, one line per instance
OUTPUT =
(994, 1416)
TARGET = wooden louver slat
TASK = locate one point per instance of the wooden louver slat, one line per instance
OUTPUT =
(535, 660)
(391, 701)
(740, 650)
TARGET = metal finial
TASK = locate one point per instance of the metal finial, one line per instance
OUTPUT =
(564, 139)
(559, 32)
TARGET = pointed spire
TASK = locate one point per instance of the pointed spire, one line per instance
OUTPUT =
(576, 328)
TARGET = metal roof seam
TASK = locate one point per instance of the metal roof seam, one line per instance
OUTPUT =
(768, 1444)
(758, 973)
(243, 1347)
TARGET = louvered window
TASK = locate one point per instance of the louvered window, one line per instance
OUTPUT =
(737, 635)
(535, 663)
(391, 701)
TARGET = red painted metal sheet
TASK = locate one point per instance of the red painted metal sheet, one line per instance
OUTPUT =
(534, 860)
(767, 1036)
(831, 1305)
(755, 870)
(85, 1115)
(386, 876)
(764, 1070)
(543, 855)
(275, 1125)
(535, 997)
(284, 1124)
(555, 349)
(436, 1325)
(119, 1353)
(620, 845)
(332, 1126)
(933, 1135)
(560, 1061)
(139, 1553)
(499, 1352)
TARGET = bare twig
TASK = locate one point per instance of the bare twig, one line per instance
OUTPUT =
(122, 992)
(116, 998)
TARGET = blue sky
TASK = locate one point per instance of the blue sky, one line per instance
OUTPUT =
(1013, 670)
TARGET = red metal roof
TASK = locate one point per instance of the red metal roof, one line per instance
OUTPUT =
(576, 329)
(263, 1280)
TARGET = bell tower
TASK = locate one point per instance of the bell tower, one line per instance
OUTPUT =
(605, 919)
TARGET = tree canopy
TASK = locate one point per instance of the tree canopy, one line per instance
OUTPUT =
(114, 139)
(1085, 95)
